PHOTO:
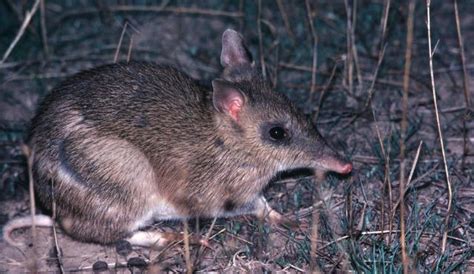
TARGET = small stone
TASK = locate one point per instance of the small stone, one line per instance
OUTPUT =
(136, 262)
(100, 266)
(123, 248)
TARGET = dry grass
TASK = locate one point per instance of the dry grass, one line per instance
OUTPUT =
(403, 131)
(359, 68)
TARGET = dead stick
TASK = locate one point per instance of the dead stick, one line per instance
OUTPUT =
(130, 46)
(314, 238)
(403, 130)
(260, 39)
(21, 31)
(323, 93)
(284, 16)
(117, 51)
(187, 253)
(55, 235)
(242, 18)
(465, 84)
(355, 55)
(29, 154)
(44, 33)
(440, 132)
(387, 181)
(350, 41)
(412, 171)
(371, 89)
(155, 9)
(315, 48)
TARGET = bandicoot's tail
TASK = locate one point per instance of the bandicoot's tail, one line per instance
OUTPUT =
(27, 221)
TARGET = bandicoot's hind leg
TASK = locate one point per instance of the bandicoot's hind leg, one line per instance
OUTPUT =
(102, 230)
(103, 186)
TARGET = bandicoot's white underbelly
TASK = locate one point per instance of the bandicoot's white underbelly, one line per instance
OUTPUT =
(162, 210)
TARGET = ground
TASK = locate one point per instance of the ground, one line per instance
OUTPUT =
(337, 62)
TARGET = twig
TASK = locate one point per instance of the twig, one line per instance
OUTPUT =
(284, 16)
(387, 180)
(355, 55)
(371, 89)
(154, 9)
(166, 248)
(260, 39)
(117, 51)
(295, 268)
(295, 67)
(55, 235)
(206, 239)
(12, 6)
(242, 18)
(44, 33)
(314, 237)
(187, 254)
(465, 83)
(406, 187)
(20, 33)
(373, 160)
(440, 133)
(29, 154)
(381, 232)
(323, 93)
(315, 48)
(239, 238)
(130, 46)
(276, 66)
(350, 38)
(403, 131)
(218, 233)
(272, 30)
(383, 46)
(383, 23)
(376, 73)
(211, 228)
(19, 16)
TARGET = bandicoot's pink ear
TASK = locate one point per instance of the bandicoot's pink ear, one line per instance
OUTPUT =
(234, 52)
(227, 99)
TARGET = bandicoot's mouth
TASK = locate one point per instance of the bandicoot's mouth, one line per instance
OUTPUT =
(319, 171)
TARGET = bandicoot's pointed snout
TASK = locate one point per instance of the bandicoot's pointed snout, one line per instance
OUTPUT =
(330, 160)
(335, 164)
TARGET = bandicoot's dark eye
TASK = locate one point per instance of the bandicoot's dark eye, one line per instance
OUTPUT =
(278, 133)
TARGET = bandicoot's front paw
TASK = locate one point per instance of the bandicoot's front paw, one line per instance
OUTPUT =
(276, 218)
(193, 239)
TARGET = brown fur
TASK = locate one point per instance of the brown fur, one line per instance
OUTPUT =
(116, 143)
